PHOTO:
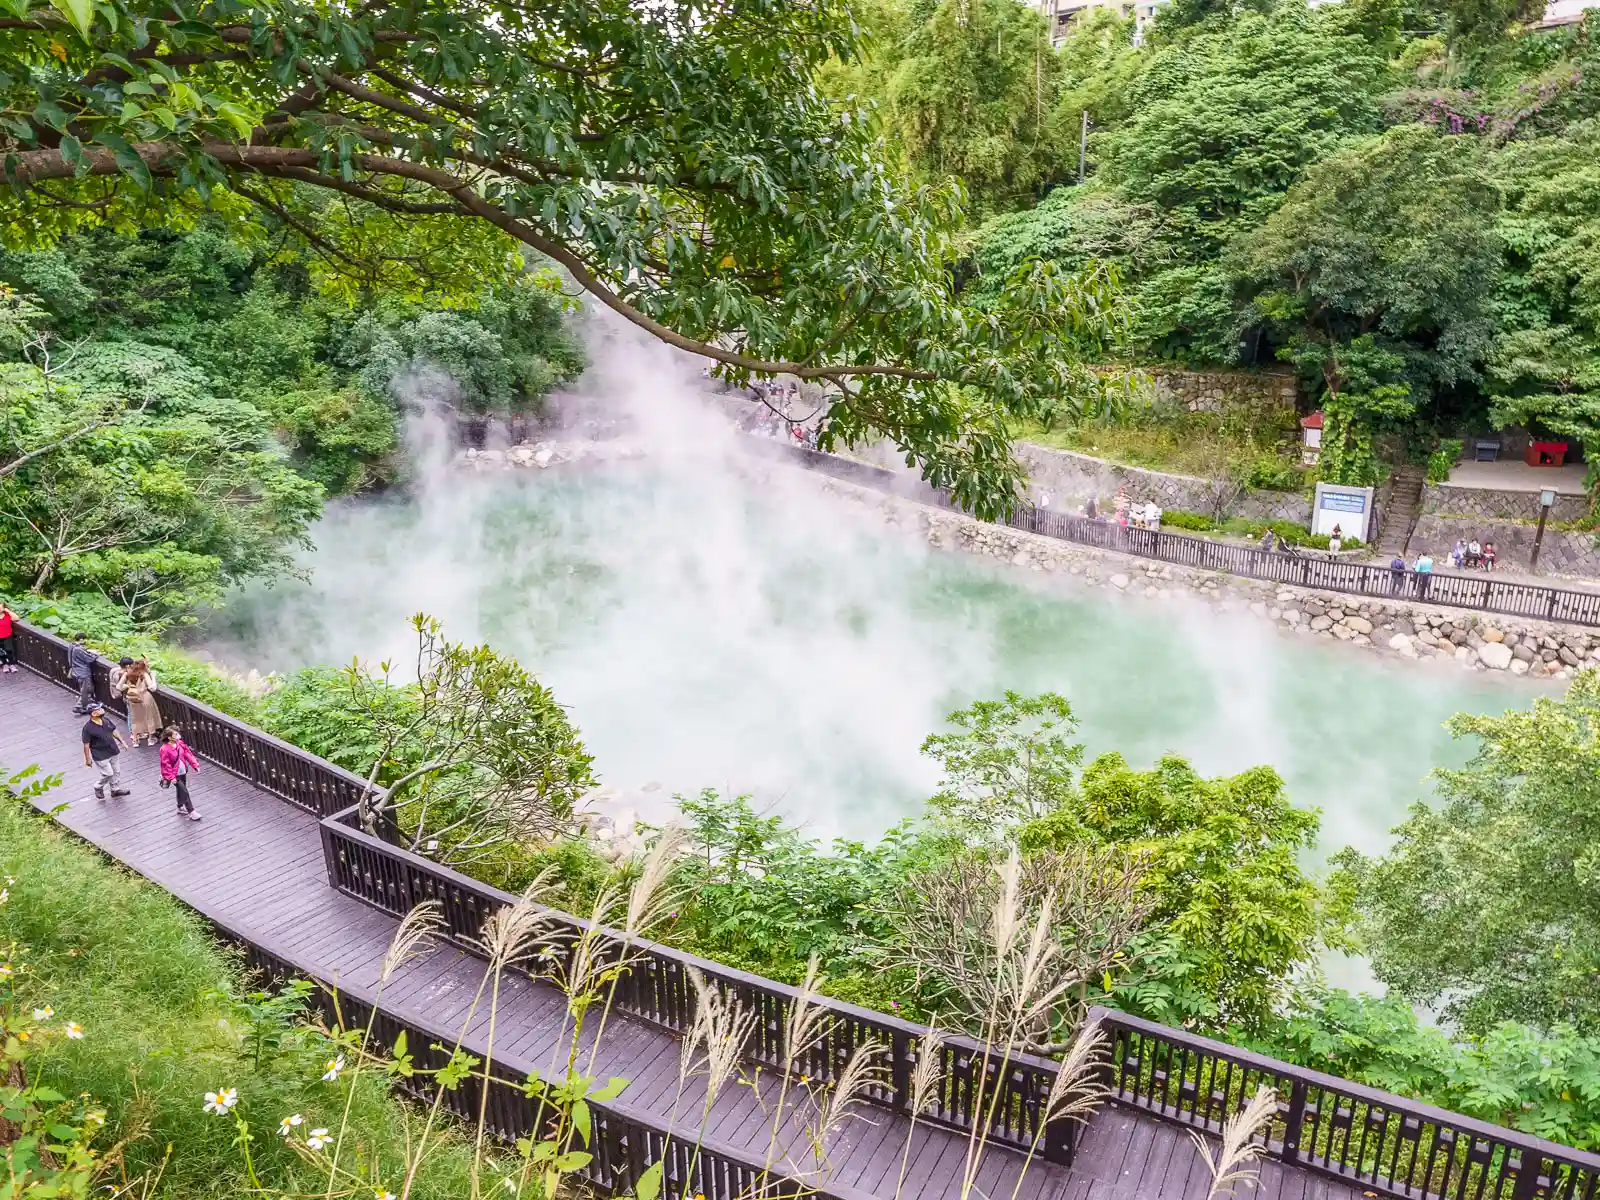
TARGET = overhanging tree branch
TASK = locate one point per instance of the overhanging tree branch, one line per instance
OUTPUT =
(39, 165)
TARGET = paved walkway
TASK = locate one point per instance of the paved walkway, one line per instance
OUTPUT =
(254, 866)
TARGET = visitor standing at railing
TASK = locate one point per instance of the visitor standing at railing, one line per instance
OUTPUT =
(80, 669)
(1397, 575)
(177, 760)
(8, 642)
(1424, 569)
(102, 745)
(139, 689)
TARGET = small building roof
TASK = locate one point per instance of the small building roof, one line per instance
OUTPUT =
(1314, 421)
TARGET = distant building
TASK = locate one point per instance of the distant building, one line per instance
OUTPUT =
(1565, 12)
(1062, 13)
(1144, 11)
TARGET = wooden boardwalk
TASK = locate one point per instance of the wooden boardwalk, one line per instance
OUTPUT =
(254, 866)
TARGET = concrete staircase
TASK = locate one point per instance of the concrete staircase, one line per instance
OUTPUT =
(1400, 515)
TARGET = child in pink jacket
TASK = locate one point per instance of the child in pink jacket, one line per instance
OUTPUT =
(177, 761)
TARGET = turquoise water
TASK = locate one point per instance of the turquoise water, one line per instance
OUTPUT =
(778, 641)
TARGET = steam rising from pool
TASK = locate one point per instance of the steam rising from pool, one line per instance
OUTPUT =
(713, 622)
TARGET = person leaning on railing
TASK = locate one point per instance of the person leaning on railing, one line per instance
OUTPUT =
(80, 669)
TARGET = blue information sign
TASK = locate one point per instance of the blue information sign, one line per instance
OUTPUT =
(1337, 502)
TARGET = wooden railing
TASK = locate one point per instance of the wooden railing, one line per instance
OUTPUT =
(656, 988)
(274, 766)
(1383, 1143)
(1482, 590)
(624, 1140)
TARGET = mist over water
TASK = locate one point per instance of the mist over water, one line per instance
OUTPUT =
(714, 622)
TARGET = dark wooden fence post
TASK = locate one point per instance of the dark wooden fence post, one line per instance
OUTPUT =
(1294, 1120)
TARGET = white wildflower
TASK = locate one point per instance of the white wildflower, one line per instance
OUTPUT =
(221, 1102)
(318, 1138)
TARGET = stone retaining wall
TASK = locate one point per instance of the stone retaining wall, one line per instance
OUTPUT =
(1221, 389)
(1487, 504)
(1070, 478)
(1563, 552)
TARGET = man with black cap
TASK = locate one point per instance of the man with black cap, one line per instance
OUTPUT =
(101, 746)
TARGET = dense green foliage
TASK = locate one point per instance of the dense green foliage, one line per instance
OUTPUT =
(1231, 901)
(166, 1016)
(1395, 197)
(1488, 907)
(178, 402)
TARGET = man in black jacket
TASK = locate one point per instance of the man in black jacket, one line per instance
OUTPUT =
(101, 746)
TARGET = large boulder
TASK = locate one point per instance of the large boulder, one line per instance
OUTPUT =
(1358, 625)
(1494, 655)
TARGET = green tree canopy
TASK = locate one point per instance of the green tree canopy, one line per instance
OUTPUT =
(972, 98)
(1488, 907)
(1222, 867)
(1377, 272)
(1544, 369)
(676, 160)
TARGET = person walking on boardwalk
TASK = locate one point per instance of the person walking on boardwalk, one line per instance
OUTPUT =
(101, 746)
(80, 669)
(139, 688)
(177, 761)
(8, 641)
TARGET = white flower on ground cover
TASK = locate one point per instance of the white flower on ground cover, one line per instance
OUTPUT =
(220, 1102)
(43, 1014)
(335, 1065)
(318, 1138)
(74, 1030)
(287, 1125)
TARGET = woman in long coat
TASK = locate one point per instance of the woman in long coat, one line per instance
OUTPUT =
(139, 689)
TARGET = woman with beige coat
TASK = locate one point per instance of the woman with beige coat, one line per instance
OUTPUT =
(144, 716)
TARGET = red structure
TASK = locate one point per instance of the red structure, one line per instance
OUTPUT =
(1546, 454)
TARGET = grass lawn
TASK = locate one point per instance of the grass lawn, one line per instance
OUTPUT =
(164, 1018)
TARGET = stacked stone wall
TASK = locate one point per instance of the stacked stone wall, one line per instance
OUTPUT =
(1220, 389)
(1489, 504)
(1069, 479)
(1403, 628)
